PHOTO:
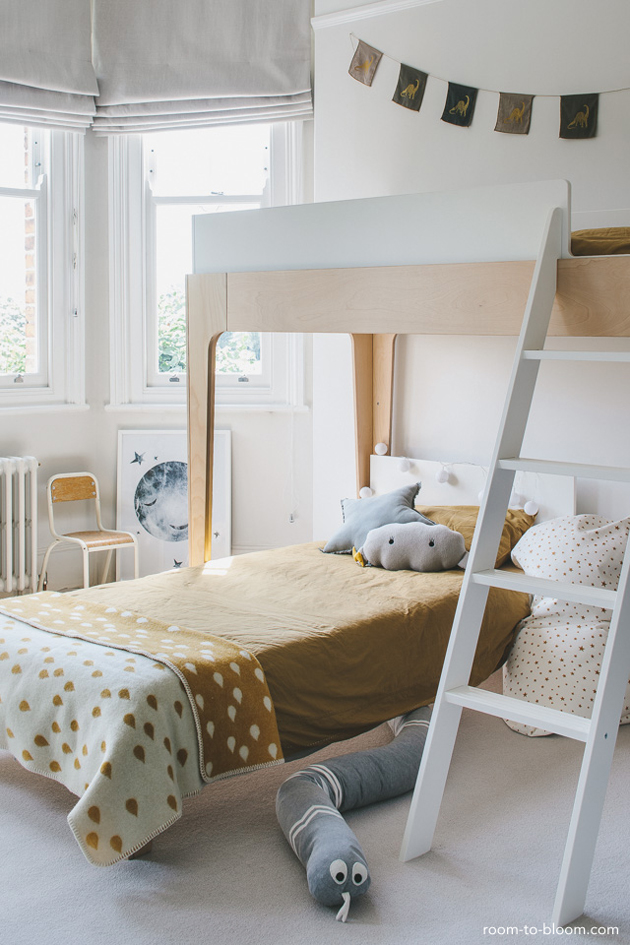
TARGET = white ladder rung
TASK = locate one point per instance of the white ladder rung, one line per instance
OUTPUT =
(548, 355)
(518, 710)
(516, 581)
(554, 468)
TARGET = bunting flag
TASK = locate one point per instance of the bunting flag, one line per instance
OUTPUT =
(514, 114)
(364, 63)
(460, 104)
(410, 88)
(578, 113)
(578, 116)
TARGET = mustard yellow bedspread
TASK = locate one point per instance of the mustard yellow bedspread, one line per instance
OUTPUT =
(343, 648)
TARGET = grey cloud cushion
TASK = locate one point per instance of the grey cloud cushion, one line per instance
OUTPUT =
(414, 546)
(362, 515)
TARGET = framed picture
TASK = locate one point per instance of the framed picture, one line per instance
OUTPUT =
(152, 498)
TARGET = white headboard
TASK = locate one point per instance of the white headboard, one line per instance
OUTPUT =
(554, 495)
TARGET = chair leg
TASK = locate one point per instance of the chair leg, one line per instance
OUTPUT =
(86, 567)
(108, 561)
(42, 575)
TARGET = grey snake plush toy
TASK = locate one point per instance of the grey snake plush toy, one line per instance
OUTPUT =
(309, 805)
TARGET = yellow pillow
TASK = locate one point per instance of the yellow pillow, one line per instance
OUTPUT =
(463, 518)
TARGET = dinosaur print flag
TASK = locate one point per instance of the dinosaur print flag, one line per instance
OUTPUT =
(515, 113)
(460, 104)
(364, 63)
(410, 88)
(578, 116)
(578, 113)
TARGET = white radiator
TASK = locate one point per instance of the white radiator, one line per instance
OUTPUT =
(18, 524)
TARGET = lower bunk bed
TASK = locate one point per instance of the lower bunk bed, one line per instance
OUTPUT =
(222, 668)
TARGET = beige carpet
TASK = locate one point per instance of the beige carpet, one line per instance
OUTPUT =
(224, 873)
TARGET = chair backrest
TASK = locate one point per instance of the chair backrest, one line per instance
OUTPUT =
(72, 487)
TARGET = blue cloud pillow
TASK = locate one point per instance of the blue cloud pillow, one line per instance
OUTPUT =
(362, 515)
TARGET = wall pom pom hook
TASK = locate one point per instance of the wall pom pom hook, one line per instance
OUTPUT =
(365, 492)
(404, 465)
(443, 474)
(381, 449)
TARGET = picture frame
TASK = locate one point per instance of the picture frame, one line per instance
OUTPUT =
(152, 498)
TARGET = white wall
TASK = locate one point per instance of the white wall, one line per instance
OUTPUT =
(265, 444)
(449, 391)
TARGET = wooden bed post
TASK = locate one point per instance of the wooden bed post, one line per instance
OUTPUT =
(383, 388)
(363, 393)
(206, 306)
(373, 372)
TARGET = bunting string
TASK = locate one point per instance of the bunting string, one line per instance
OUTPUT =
(578, 112)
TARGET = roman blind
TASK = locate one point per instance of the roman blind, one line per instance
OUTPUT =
(139, 65)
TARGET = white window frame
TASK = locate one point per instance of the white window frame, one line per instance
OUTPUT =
(132, 285)
(57, 199)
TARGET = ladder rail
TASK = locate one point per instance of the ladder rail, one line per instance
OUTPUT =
(431, 781)
(597, 760)
(600, 731)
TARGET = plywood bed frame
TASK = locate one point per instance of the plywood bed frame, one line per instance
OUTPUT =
(466, 261)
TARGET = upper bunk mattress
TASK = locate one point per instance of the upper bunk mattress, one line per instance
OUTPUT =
(343, 648)
(605, 241)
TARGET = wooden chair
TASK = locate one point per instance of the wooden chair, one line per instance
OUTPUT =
(71, 487)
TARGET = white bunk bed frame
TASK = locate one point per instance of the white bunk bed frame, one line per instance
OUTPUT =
(490, 261)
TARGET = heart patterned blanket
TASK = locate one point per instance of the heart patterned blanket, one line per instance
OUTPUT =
(130, 714)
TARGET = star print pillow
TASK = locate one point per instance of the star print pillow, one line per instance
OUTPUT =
(557, 655)
(574, 549)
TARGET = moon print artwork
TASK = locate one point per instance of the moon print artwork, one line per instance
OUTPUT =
(153, 497)
(161, 502)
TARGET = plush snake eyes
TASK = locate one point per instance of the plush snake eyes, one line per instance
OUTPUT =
(339, 871)
(391, 541)
(359, 874)
(431, 543)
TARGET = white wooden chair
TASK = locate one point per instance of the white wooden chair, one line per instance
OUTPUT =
(72, 487)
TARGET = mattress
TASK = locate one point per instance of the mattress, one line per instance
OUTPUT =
(605, 241)
(343, 648)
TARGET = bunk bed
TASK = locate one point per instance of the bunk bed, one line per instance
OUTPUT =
(366, 268)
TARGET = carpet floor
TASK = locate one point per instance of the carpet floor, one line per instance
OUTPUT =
(224, 873)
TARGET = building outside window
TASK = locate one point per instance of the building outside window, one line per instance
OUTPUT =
(158, 182)
(41, 318)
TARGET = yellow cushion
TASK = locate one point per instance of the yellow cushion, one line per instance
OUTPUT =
(604, 241)
(463, 518)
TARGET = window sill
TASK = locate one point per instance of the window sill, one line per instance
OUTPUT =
(219, 408)
(41, 408)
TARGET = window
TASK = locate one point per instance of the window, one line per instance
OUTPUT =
(40, 318)
(157, 183)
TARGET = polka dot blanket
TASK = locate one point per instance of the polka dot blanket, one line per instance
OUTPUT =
(558, 651)
(131, 715)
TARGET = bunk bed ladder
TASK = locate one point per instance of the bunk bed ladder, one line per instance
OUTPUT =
(599, 732)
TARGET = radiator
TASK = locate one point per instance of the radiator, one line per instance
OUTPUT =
(18, 524)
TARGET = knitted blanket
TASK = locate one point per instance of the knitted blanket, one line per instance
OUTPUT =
(130, 714)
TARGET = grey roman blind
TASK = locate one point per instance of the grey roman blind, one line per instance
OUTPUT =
(139, 65)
